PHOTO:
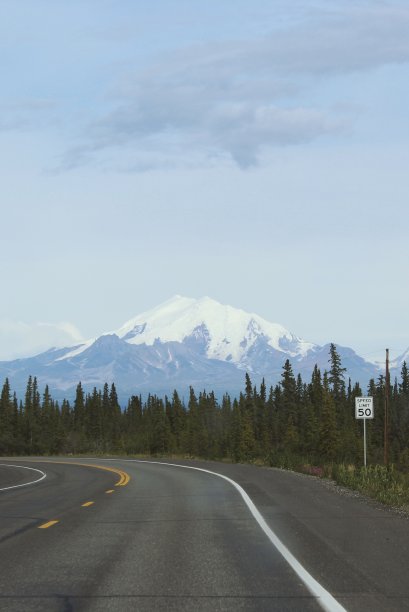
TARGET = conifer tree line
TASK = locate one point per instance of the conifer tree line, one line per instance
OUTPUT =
(314, 421)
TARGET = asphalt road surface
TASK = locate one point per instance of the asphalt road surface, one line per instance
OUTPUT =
(150, 536)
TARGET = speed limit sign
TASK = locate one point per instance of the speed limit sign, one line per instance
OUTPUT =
(364, 407)
(364, 410)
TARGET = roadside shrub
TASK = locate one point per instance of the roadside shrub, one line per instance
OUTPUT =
(385, 484)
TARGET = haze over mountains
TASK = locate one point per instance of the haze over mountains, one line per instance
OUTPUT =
(183, 342)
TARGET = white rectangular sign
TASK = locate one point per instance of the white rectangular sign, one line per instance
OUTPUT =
(364, 407)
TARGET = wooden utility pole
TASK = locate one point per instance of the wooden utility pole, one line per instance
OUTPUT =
(386, 419)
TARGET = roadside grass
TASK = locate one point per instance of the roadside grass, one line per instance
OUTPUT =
(387, 485)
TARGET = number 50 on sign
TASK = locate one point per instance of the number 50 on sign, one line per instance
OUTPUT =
(364, 407)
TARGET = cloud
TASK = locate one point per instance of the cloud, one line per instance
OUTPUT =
(234, 99)
(26, 114)
(339, 41)
(19, 339)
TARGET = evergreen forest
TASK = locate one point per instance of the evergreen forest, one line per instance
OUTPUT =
(313, 421)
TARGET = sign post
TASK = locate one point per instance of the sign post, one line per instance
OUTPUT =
(364, 410)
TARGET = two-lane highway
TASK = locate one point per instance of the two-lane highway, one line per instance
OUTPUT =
(35, 493)
(17, 476)
(180, 539)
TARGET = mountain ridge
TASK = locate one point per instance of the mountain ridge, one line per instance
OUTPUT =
(180, 343)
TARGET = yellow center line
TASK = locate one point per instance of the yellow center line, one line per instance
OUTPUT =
(124, 478)
(87, 504)
(123, 481)
(47, 525)
(110, 491)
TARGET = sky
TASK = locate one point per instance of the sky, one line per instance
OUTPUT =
(255, 152)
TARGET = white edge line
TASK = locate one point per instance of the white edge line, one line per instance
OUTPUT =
(26, 484)
(325, 599)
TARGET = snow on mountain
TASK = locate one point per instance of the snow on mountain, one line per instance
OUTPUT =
(182, 342)
(395, 363)
(227, 333)
(398, 362)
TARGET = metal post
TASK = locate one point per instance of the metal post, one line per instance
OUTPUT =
(365, 442)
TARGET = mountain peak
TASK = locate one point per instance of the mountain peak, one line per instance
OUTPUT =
(184, 341)
(230, 332)
(225, 333)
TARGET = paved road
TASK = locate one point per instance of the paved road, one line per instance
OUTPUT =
(184, 540)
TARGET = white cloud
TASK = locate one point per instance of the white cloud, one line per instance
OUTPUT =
(19, 339)
(233, 99)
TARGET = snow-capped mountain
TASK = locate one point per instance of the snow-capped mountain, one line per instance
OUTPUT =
(396, 364)
(181, 342)
(224, 333)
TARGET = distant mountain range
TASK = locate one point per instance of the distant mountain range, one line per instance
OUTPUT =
(184, 342)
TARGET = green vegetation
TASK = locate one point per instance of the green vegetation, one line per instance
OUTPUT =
(310, 427)
(385, 484)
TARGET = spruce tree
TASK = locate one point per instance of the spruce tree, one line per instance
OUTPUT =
(329, 440)
(193, 426)
(290, 408)
(235, 436)
(7, 430)
(77, 435)
(178, 422)
(247, 410)
(115, 411)
(404, 384)
(226, 425)
(336, 374)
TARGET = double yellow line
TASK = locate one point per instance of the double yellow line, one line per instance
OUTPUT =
(123, 481)
(124, 478)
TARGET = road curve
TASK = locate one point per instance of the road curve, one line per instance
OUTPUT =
(18, 476)
(178, 539)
